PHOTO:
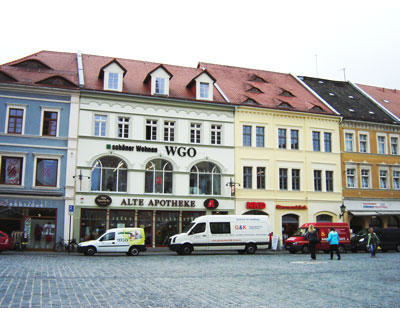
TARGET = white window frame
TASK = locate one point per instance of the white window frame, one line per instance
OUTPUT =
(324, 186)
(323, 141)
(319, 140)
(369, 177)
(217, 130)
(94, 124)
(15, 106)
(353, 140)
(290, 137)
(368, 150)
(46, 156)
(159, 79)
(50, 109)
(201, 90)
(123, 126)
(152, 124)
(398, 144)
(286, 138)
(377, 144)
(170, 126)
(393, 182)
(195, 128)
(16, 155)
(354, 175)
(109, 87)
(387, 178)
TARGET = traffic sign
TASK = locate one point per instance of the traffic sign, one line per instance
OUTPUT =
(71, 209)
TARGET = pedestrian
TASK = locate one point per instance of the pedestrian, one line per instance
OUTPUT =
(312, 237)
(373, 241)
(333, 241)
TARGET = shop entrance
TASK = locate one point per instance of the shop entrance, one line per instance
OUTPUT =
(145, 221)
(356, 224)
(167, 225)
(290, 223)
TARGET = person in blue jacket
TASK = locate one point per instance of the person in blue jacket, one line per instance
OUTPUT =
(333, 240)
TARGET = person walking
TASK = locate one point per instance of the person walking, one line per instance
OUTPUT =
(372, 242)
(333, 241)
(312, 237)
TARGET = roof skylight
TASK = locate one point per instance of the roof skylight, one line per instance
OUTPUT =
(386, 101)
(351, 110)
(351, 97)
(371, 112)
(331, 93)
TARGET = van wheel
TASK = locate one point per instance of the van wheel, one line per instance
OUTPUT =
(342, 249)
(398, 248)
(354, 250)
(251, 249)
(305, 249)
(292, 250)
(90, 251)
(186, 249)
(133, 251)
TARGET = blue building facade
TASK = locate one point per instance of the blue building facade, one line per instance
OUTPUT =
(34, 138)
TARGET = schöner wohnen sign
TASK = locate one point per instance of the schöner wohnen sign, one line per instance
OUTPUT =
(180, 151)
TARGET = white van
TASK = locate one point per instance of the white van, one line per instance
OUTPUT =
(129, 240)
(245, 233)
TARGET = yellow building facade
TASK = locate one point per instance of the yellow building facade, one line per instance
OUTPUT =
(287, 165)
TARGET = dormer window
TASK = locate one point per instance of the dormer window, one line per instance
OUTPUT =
(204, 90)
(112, 81)
(160, 85)
(112, 75)
(159, 79)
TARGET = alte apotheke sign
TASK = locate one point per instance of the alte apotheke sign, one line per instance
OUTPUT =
(103, 200)
(180, 151)
(158, 202)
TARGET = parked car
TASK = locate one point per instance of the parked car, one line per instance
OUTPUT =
(6, 242)
(389, 239)
(244, 233)
(298, 242)
(129, 240)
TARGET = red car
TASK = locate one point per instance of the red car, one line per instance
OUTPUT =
(5, 241)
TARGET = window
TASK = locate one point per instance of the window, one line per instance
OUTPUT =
(123, 127)
(396, 179)
(109, 173)
(383, 181)
(246, 135)
(281, 138)
(247, 177)
(294, 139)
(316, 142)
(394, 145)
(283, 181)
(329, 181)
(381, 145)
(216, 131)
(363, 143)
(350, 177)
(49, 123)
(317, 180)
(169, 131)
(205, 179)
(204, 87)
(295, 179)
(199, 228)
(160, 85)
(46, 172)
(11, 170)
(328, 142)
(261, 178)
(195, 132)
(260, 136)
(113, 81)
(100, 122)
(220, 228)
(151, 129)
(15, 121)
(324, 218)
(348, 142)
(365, 178)
(158, 177)
(108, 237)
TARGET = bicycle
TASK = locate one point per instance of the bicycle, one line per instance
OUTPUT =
(63, 245)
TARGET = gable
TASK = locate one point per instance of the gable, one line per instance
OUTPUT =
(57, 81)
(32, 64)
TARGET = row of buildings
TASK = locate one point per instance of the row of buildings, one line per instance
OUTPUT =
(89, 143)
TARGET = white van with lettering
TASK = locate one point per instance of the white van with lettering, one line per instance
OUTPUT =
(244, 233)
(129, 240)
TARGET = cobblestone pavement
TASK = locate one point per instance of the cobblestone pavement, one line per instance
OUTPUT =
(163, 279)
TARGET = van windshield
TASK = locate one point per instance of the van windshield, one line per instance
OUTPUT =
(300, 232)
(188, 227)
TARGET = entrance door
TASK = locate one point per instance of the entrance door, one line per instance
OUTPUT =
(290, 223)
(166, 226)
(145, 221)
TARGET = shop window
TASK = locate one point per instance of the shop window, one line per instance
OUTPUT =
(324, 218)
(188, 217)
(11, 170)
(158, 177)
(46, 172)
(122, 219)
(166, 226)
(109, 174)
(93, 224)
(290, 223)
(145, 221)
(393, 221)
(220, 228)
(205, 179)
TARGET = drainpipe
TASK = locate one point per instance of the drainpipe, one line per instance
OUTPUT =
(80, 70)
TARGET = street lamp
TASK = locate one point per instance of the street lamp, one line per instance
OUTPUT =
(232, 185)
(342, 210)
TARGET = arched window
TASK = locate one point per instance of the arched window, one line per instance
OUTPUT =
(255, 212)
(324, 218)
(290, 223)
(393, 221)
(158, 177)
(109, 173)
(205, 178)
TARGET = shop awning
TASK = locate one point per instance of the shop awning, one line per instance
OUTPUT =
(374, 213)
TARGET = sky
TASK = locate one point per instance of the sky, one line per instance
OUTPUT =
(340, 40)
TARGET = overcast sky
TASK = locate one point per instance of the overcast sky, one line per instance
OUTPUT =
(307, 37)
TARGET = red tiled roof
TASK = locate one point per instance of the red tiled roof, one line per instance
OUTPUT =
(136, 73)
(392, 97)
(62, 65)
(235, 83)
